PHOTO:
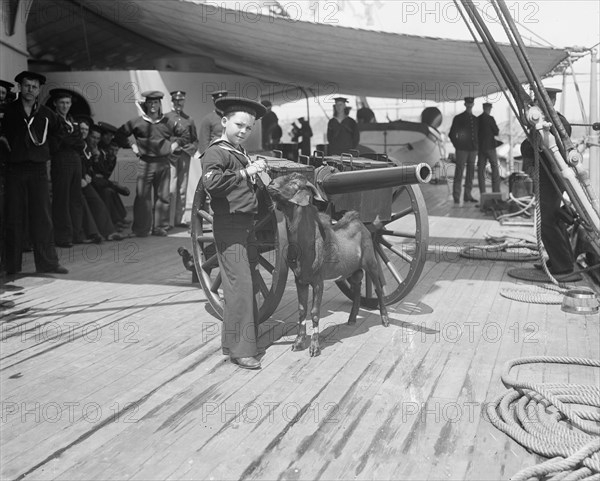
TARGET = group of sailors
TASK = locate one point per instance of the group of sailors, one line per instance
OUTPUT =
(78, 200)
(82, 206)
(474, 141)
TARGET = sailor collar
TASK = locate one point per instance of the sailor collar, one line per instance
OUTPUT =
(226, 145)
(35, 108)
(29, 119)
(148, 119)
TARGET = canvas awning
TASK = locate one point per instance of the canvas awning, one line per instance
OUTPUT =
(323, 59)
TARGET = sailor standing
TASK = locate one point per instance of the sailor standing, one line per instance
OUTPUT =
(342, 130)
(28, 129)
(464, 137)
(156, 138)
(210, 127)
(230, 178)
(553, 230)
(65, 172)
(180, 159)
(487, 149)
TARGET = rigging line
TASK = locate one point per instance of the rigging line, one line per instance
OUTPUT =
(581, 106)
(503, 87)
(511, 34)
(538, 36)
(85, 35)
(517, 51)
(565, 141)
(492, 45)
(519, 88)
(508, 74)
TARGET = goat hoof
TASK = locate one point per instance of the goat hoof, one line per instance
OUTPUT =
(351, 322)
(298, 346)
(385, 322)
(314, 351)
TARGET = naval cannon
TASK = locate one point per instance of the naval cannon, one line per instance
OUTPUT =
(387, 198)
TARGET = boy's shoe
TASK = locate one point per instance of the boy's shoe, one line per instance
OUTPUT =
(53, 270)
(246, 362)
(159, 232)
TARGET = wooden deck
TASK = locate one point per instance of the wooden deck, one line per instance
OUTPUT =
(114, 371)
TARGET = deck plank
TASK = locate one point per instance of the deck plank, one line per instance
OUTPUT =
(382, 402)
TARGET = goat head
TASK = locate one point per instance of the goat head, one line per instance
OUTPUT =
(294, 188)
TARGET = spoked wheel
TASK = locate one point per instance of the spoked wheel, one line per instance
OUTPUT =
(401, 248)
(271, 274)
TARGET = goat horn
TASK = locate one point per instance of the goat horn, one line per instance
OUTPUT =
(316, 194)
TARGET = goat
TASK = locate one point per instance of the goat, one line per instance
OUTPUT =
(318, 251)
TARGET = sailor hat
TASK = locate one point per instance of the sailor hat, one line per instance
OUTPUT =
(26, 74)
(84, 118)
(7, 85)
(240, 104)
(177, 95)
(153, 95)
(61, 93)
(106, 127)
(219, 94)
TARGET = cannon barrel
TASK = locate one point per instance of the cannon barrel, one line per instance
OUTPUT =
(333, 182)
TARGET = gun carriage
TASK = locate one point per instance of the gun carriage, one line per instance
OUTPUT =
(387, 198)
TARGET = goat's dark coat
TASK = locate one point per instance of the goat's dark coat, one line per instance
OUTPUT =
(318, 251)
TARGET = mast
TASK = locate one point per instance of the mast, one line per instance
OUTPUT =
(594, 158)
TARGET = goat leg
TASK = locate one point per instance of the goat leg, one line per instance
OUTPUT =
(374, 274)
(355, 281)
(315, 349)
(302, 290)
(385, 320)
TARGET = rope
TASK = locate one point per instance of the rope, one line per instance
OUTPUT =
(501, 248)
(525, 203)
(506, 251)
(534, 294)
(550, 420)
(538, 210)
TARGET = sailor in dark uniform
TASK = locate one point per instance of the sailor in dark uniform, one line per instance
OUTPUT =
(464, 137)
(93, 201)
(487, 148)
(29, 129)
(180, 159)
(103, 167)
(6, 93)
(210, 127)
(553, 230)
(156, 138)
(230, 178)
(5, 99)
(342, 130)
(66, 174)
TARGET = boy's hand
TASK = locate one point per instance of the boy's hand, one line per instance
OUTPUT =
(261, 165)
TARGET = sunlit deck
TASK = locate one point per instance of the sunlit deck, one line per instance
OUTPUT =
(114, 371)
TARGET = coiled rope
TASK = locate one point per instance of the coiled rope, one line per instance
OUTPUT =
(525, 203)
(550, 419)
(521, 251)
